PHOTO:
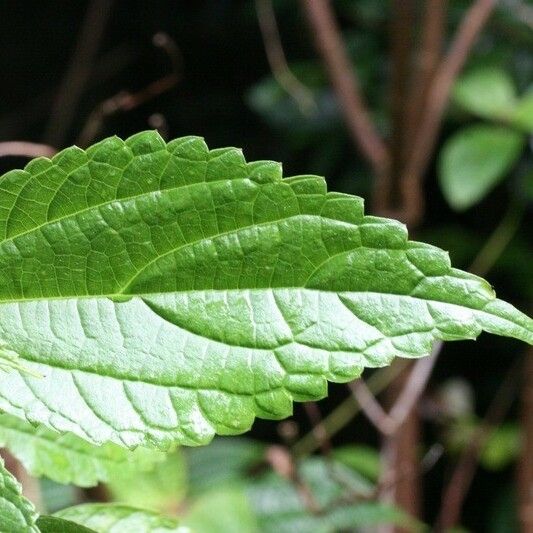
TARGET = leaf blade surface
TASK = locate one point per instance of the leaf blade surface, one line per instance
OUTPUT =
(165, 292)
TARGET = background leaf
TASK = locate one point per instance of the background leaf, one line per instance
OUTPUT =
(163, 487)
(52, 524)
(488, 92)
(165, 292)
(225, 509)
(474, 160)
(109, 518)
(68, 458)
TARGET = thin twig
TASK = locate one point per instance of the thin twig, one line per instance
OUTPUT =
(371, 407)
(277, 60)
(389, 423)
(460, 481)
(78, 71)
(125, 101)
(416, 383)
(346, 84)
(26, 149)
(437, 99)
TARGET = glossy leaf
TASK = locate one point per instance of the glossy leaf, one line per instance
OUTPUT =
(165, 292)
(488, 92)
(112, 518)
(17, 514)
(474, 160)
(68, 458)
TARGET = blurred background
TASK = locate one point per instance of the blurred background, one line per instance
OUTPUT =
(424, 108)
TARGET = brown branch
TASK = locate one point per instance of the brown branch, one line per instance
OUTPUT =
(461, 479)
(347, 410)
(277, 60)
(431, 43)
(415, 385)
(26, 149)
(439, 92)
(386, 195)
(525, 466)
(345, 84)
(371, 407)
(78, 71)
(389, 423)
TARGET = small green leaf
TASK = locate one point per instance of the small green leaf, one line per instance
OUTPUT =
(111, 518)
(474, 160)
(52, 524)
(69, 459)
(166, 292)
(17, 514)
(488, 92)
(502, 447)
(362, 459)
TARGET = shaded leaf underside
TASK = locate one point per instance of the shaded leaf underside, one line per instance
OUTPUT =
(166, 292)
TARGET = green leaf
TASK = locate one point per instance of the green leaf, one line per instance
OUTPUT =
(17, 514)
(474, 160)
(111, 518)
(163, 488)
(362, 459)
(488, 92)
(337, 492)
(69, 459)
(502, 447)
(166, 292)
(225, 509)
(52, 524)
(224, 461)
